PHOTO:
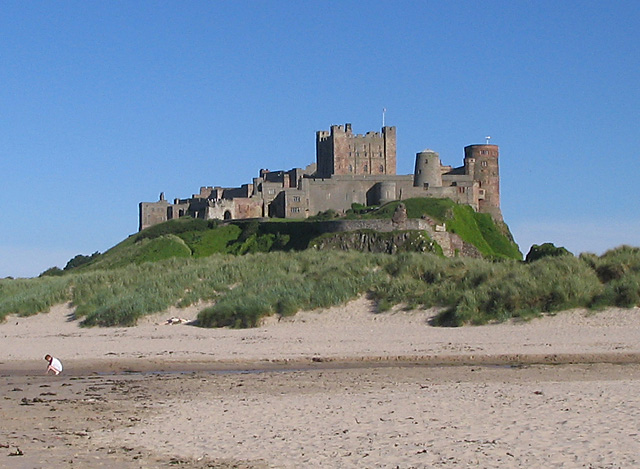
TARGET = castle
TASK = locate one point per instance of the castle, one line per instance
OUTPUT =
(350, 168)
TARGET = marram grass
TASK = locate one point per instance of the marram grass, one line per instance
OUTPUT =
(247, 288)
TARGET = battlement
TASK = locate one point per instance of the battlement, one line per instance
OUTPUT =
(481, 150)
(350, 168)
(341, 152)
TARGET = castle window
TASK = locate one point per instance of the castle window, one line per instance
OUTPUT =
(350, 169)
(483, 163)
(381, 169)
(461, 190)
(271, 191)
(366, 167)
(296, 198)
(295, 209)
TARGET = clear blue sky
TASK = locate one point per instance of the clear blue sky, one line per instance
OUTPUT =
(106, 104)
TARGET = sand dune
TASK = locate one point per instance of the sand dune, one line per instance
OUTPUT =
(350, 332)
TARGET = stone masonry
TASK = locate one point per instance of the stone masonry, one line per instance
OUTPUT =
(350, 168)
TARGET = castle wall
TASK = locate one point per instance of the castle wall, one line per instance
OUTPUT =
(152, 213)
(221, 210)
(339, 192)
(349, 169)
(246, 207)
(462, 193)
(382, 225)
(205, 193)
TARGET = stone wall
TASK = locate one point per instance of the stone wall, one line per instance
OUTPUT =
(152, 213)
(351, 168)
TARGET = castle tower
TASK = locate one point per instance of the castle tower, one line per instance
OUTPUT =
(481, 162)
(386, 192)
(341, 152)
(428, 171)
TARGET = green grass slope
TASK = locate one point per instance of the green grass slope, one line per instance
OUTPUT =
(186, 237)
(492, 240)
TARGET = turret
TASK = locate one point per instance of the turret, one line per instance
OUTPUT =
(386, 192)
(428, 172)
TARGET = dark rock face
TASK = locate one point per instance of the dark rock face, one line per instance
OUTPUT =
(370, 241)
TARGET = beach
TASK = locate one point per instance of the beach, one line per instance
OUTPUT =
(343, 387)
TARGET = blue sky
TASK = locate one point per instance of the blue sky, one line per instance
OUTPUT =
(106, 104)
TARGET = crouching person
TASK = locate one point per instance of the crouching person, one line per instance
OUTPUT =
(54, 364)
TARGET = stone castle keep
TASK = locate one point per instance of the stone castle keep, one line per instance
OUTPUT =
(349, 168)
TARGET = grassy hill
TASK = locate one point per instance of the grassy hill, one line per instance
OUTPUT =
(196, 238)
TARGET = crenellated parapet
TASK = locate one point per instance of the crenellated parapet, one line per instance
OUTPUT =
(350, 169)
(341, 152)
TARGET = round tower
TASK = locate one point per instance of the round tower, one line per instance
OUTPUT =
(428, 172)
(481, 162)
(386, 192)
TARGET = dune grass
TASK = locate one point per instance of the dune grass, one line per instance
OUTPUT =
(247, 288)
(26, 297)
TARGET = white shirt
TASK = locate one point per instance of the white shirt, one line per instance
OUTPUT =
(56, 365)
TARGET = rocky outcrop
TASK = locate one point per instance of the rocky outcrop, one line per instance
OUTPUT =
(388, 235)
(372, 241)
(400, 215)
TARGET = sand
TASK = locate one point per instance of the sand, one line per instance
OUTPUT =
(343, 387)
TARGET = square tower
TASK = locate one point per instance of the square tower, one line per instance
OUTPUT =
(341, 152)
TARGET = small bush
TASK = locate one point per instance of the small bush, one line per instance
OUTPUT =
(52, 272)
(545, 250)
(80, 260)
(326, 215)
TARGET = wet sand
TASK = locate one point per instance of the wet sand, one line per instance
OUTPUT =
(374, 416)
(341, 388)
